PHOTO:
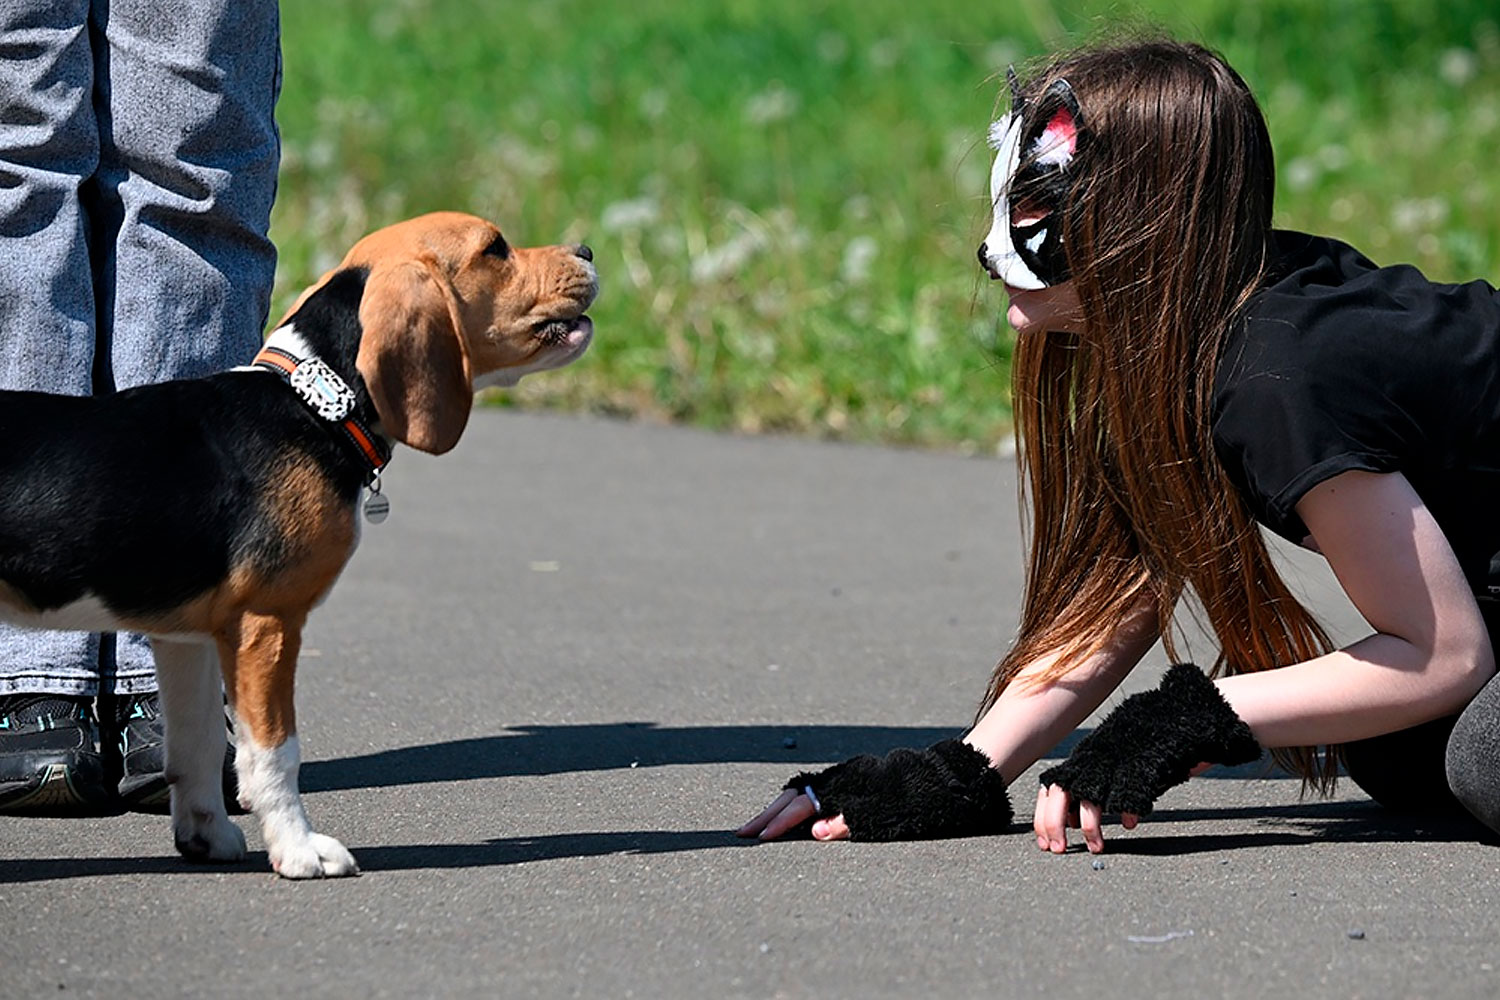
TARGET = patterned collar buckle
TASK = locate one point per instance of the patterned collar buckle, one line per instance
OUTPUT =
(322, 389)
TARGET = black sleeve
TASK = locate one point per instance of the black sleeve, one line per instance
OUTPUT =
(1283, 428)
(1341, 365)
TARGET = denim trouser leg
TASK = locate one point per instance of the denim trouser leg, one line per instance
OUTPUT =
(177, 209)
(49, 147)
(187, 175)
(189, 151)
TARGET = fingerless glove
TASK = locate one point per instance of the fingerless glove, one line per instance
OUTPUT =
(947, 790)
(1152, 742)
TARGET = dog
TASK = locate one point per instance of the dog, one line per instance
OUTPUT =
(213, 514)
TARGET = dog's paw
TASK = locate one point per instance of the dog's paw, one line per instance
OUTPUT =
(208, 837)
(316, 856)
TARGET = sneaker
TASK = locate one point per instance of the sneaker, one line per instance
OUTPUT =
(143, 780)
(49, 756)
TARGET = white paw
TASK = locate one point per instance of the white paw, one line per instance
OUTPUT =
(315, 856)
(208, 836)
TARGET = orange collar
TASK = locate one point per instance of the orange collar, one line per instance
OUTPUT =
(330, 397)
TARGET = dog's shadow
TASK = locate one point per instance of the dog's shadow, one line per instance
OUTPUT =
(499, 852)
(531, 750)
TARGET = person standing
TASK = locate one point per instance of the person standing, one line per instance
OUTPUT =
(138, 165)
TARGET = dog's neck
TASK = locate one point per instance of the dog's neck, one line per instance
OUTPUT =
(316, 350)
(328, 327)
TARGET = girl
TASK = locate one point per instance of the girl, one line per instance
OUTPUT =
(1183, 372)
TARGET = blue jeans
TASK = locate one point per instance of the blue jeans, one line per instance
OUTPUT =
(138, 158)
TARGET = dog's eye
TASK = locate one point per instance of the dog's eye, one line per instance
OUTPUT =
(497, 248)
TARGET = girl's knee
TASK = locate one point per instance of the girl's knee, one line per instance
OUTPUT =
(1472, 763)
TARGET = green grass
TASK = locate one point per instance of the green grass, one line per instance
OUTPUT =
(784, 196)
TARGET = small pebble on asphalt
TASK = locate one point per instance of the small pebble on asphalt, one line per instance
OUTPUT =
(1098, 865)
(1356, 935)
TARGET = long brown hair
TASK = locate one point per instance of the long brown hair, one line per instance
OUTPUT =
(1166, 234)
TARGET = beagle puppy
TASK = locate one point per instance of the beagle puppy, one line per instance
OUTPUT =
(213, 514)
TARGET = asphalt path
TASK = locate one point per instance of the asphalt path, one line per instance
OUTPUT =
(579, 653)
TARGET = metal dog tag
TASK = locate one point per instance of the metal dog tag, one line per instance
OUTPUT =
(377, 507)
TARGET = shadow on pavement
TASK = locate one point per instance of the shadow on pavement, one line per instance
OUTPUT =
(523, 850)
(1302, 823)
(1279, 826)
(539, 750)
(402, 857)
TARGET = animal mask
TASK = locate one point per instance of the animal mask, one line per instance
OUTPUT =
(1035, 146)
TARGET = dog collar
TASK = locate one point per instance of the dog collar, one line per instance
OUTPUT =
(328, 396)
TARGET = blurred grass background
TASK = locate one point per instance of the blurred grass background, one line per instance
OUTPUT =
(785, 196)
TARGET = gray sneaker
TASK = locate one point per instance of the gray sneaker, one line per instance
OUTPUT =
(143, 780)
(49, 756)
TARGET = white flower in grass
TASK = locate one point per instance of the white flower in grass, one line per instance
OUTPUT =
(775, 103)
(1003, 52)
(1411, 215)
(833, 47)
(653, 104)
(1302, 173)
(728, 257)
(884, 53)
(519, 157)
(1458, 66)
(636, 213)
(1333, 157)
(859, 254)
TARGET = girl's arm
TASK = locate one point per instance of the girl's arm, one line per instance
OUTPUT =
(1429, 656)
(1028, 720)
(1024, 723)
(1430, 653)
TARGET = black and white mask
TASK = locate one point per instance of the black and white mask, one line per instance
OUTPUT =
(1035, 146)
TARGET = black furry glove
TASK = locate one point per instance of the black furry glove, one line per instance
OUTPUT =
(1152, 742)
(947, 790)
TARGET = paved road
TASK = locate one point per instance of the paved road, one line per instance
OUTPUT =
(580, 652)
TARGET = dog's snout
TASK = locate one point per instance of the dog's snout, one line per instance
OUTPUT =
(585, 251)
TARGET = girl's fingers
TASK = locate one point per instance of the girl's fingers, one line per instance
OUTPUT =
(1036, 817)
(1089, 821)
(1055, 819)
(756, 825)
(831, 829)
(796, 811)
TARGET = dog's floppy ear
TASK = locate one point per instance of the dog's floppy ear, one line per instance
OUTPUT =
(412, 357)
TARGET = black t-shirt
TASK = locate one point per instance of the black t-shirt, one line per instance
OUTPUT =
(1343, 365)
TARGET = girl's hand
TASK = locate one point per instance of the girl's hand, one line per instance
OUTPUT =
(1055, 815)
(791, 809)
(946, 790)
